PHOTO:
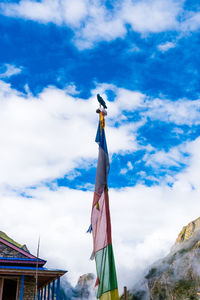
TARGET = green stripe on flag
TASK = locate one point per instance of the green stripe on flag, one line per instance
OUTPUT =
(105, 265)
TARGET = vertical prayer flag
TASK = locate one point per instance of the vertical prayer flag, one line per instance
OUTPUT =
(101, 224)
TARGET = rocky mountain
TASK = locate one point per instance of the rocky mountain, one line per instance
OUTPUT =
(177, 276)
(83, 290)
(85, 286)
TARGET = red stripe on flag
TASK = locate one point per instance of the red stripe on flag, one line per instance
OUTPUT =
(95, 199)
(100, 219)
(97, 282)
(108, 216)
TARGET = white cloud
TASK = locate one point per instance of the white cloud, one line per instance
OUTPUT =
(42, 135)
(166, 46)
(152, 15)
(10, 70)
(123, 171)
(182, 111)
(129, 168)
(61, 218)
(125, 100)
(91, 21)
(45, 11)
(191, 22)
(189, 177)
(47, 136)
(41, 140)
(99, 25)
(37, 140)
(71, 89)
(74, 12)
(145, 223)
(148, 220)
(176, 156)
(58, 12)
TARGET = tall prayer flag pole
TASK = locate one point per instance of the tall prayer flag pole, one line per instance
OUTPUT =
(100, 218)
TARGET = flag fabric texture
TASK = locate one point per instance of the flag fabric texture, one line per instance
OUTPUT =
(101, 224)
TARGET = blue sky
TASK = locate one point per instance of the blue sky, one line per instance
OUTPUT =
(143, 58)
(47, 56)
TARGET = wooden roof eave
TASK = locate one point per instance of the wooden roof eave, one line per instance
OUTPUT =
(44, 276)
(31, 272)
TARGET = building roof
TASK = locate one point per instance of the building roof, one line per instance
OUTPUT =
(15, 260)
(18, 260)
(7, 238)
(13, 253)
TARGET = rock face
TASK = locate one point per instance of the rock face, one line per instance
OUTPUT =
(82, 291)
(188, 231)
(84, 286)
(177, 276)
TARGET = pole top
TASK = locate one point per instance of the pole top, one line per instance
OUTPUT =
(102, 106)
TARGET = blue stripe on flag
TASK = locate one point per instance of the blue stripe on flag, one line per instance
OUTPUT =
(89, 229)
(101, 139)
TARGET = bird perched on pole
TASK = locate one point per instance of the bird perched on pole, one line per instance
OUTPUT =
(101, 101)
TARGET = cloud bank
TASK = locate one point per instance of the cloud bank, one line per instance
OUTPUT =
(8, 70)
(47, 136)
(143, 230)
(92, 21)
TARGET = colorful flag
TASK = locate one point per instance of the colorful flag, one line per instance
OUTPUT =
(101, 224)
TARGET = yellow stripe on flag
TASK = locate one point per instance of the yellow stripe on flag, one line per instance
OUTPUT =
(97, 206)
(102, 121)
(111, 295)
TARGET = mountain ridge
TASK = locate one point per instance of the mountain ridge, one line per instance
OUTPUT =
(176, 276)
